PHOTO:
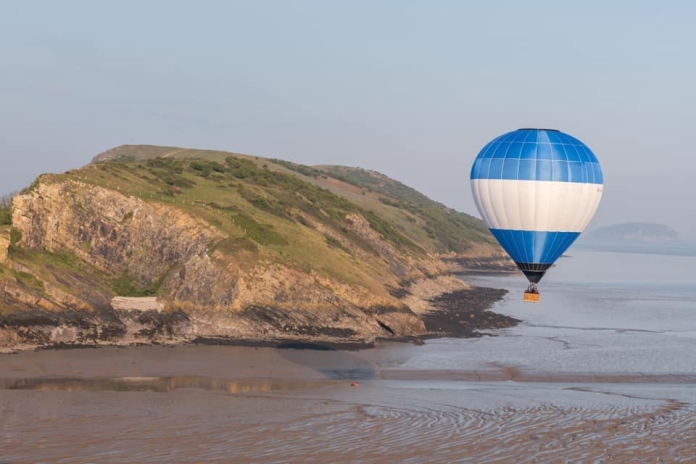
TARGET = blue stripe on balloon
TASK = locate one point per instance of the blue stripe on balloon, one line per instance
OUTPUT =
(539, 169)
(537, 155)
(525, 246)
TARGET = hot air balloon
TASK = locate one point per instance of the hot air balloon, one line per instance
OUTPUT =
(536, 190)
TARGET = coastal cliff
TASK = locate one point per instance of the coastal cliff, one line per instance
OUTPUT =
(212, 247)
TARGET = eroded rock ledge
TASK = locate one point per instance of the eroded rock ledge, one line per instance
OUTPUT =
(144, 321)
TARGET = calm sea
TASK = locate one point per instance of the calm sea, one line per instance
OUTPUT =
(599, 312)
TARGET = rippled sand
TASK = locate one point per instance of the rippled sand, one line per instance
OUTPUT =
(231, 404)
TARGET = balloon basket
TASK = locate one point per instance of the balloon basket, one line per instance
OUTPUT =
(531, 297)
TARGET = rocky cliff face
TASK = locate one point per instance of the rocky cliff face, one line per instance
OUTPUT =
(110, 231)
(4, 244)
(201, 293)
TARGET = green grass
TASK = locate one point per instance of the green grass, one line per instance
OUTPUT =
(270, 191)
(263, 234)
(29, 281)
(63, 270)
(333, 242)
(62, 264)
(125, 285)
(59, 259)
(447, 229)
(235, 245)
(265, 208)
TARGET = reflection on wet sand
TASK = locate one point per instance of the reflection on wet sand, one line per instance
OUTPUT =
(518, 375)
(251, 385)
(156, 384)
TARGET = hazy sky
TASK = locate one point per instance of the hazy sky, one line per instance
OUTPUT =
(413, 89)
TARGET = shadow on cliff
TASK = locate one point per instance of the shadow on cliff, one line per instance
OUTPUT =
(331, 360)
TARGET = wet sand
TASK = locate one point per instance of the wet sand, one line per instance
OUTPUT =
(242, 404)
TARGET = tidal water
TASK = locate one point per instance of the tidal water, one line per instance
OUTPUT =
(599, 313)
(602, 370)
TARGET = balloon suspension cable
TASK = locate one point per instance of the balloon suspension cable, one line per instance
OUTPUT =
(532, 288)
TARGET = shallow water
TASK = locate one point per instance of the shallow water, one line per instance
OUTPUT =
(603, 369)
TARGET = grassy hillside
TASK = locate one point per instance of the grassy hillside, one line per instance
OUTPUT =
(432, 225)
(276, 211)
(441, 228)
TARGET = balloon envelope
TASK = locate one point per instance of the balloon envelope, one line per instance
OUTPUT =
(536, 190)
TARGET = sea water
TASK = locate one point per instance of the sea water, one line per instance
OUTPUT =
(599, 312)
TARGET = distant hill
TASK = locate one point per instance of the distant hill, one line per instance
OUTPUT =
(637, 232)
(637, 237)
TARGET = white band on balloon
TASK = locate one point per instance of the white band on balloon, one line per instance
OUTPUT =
(536, 205)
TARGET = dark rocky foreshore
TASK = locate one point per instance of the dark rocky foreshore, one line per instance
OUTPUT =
(461, 313)
(465, 312)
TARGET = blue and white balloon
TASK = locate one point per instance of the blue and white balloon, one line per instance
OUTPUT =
(537, 190)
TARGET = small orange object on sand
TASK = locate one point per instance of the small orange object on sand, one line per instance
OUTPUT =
(354, 384)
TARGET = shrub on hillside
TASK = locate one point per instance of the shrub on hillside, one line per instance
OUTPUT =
(5, 216)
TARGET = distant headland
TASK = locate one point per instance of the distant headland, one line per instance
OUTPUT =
(637, 237)
(640, 232)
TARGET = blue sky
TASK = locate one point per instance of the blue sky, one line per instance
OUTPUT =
(413, 89)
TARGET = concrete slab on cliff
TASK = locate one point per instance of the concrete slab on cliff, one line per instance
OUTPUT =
(124, 303)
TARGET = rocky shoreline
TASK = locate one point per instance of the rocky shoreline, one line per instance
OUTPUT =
(458, 314)
(462, 314)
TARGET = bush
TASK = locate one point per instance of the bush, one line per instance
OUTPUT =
(5, 216)
(166, 164)
(15, 238)
(125, 286)
(197, 165)
(178, 181)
